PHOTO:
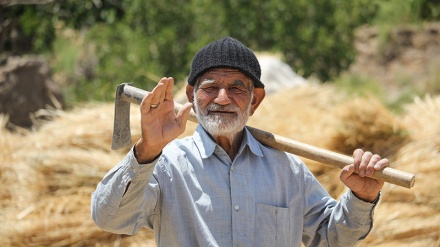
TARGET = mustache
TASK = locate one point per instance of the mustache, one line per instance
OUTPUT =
(217, 107)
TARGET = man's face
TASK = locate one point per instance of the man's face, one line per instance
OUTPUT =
(222, 100)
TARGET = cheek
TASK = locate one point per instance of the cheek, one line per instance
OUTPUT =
(202, 100)
(243, 102)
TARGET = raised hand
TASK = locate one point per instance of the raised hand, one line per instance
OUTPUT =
(357, 175)
(159, 123)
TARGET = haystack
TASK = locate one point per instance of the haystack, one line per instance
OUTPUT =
(412, 217)
(49, 175)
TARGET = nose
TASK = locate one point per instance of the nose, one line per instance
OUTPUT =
(222, 97)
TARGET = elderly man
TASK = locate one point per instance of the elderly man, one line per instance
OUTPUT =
(221, 187)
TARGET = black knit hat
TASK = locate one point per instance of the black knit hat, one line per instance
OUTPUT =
(226, 53)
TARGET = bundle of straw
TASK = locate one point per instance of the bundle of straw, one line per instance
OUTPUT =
(50, 175)
(411, 217)
(365, 123)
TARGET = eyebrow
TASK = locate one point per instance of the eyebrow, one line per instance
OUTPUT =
(240, 83)
(206, 81)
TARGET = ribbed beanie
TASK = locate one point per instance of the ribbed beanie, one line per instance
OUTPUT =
(226, 53)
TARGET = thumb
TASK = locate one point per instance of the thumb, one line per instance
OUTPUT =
(182, 115)
(346, 172)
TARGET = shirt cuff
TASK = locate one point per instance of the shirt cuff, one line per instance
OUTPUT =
(373, 202)
(362, 210)
(139, 168)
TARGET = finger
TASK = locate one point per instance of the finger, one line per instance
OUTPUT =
(163, 89)
(381, 164)
(370, 167)
(159, 92)
(146, 102)
(364, 163)
(169, 89)
(357, 156)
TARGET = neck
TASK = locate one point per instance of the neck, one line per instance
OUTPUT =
(230, 143)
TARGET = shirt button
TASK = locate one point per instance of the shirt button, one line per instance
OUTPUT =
(232, 169)
(236, 207)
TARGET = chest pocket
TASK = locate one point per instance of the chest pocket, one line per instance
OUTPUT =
(272, 226)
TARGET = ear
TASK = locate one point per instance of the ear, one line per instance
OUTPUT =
(259, 94)
(190, 93)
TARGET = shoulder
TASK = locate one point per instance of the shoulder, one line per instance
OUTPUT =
(286, 163)
(275, 154)
(177, 154)
(177, 148)
(180, 146)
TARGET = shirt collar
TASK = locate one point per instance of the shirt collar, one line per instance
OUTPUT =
(206, 145)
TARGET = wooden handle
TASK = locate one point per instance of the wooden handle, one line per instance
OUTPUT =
(324, 156)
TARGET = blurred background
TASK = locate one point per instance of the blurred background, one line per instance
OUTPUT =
(339, 75)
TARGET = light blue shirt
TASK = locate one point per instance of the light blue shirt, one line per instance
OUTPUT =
(195, 195)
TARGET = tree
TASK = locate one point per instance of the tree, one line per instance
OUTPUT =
(141, 40)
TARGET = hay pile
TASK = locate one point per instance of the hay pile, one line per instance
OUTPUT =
(412, 217)
(48, 175)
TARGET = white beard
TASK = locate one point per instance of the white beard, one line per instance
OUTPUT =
(217, 125)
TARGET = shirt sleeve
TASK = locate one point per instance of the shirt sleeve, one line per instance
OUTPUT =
(328, 222)
(126, 198)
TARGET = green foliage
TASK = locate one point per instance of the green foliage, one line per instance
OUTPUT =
(429, 10)
(124, 55)
(39, 20)
(37, 24)
(360, 86)
(364, 86)
(166, 26)
(141, 41)
(397, 12)
(67, 56)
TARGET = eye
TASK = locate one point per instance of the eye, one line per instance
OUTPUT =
(237, 89)
(209, 88)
